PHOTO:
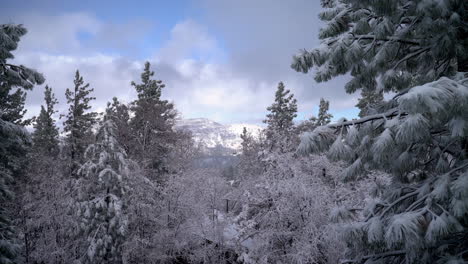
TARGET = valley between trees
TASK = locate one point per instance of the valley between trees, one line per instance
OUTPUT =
(130, 186)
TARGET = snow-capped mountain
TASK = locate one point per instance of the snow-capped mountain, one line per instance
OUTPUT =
(212, 134)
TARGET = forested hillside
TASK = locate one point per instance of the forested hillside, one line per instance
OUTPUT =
(133, 184)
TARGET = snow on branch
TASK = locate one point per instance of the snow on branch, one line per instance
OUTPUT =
(389, 114)
(375, 256)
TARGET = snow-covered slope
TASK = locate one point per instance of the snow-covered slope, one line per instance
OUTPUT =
(213, 134)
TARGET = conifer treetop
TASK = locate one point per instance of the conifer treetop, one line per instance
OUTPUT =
(148, 88)
(45, 135)
(282, 111)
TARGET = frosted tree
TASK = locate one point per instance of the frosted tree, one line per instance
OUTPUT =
(13, 137)
(102, 206)
(282, 111)
(121, 116)
(16, 79)
(422, 214)
(152, 123)
(323, 117)
(412, 48)
(388, 45)
(79, 121)
(41, 188)
(248, 143)
(45, 135)
(249, 162)
(280, 118)
(284, 216)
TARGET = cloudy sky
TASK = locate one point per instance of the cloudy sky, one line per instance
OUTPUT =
(219, 59)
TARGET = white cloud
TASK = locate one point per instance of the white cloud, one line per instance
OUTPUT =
(56, 34)
(188, 39)
(197, 80)
(109, 76)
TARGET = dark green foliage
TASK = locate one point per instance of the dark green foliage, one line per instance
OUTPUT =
(79, 122)
(280, 126)
(14, 79)
(45, 136)
(323, 116)
(151, 125)
(369, 102)
(14, 140)
(282, 111)
(119, 113)
(13, 148)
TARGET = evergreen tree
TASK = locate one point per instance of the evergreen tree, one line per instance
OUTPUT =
(369, 102)
(280, 126)
(102, 203)
(419, 137)
(389, 45)
(282, 111)
(79, 122)
(121, 117)
(12, 105)
(249, 163)
(13, 137)
(45, 135)
(15, 79)
(247, 142)
(323, 116)
(152, 123)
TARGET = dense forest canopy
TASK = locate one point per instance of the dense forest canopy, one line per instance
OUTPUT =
(127, 185)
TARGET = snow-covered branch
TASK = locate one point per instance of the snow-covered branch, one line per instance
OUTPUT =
(375, 256)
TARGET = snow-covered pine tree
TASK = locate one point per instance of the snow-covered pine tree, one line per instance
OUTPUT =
(79, 121)
(121, 117)
(423, 215)
(282, 111)
(249, 162)
(152, 124)
(103, 184)
(45, 135)
(279, 121)
(13, 137)
(323, 117)
(248, 142)
(389, 45)
(413, 48)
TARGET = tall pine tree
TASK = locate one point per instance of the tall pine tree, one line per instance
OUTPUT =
(79, 121)
(13, 137)
(102, 203)
(280, 125)
(323, 117)
(282, 111)
(152, 124)
(45, 135)
(121, 117)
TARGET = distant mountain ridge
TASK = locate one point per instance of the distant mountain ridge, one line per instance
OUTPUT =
(212, 134)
